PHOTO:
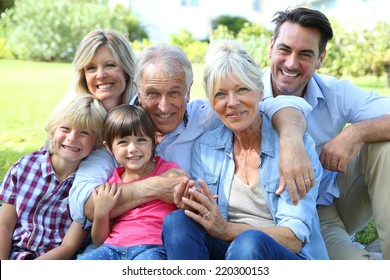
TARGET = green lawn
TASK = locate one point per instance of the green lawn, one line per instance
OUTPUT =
(29, 91)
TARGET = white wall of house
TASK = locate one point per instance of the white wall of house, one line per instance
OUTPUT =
(162, 18)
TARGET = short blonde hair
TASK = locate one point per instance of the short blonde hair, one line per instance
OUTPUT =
(119, 48)
(78, 111)
(225, 59)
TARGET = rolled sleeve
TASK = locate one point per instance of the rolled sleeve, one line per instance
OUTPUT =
(270, 105)
(93, 171)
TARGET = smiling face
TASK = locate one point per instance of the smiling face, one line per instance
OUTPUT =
(105, 78)
(70, 144)
(164, 98)
(236, 105)
(133, 153)
(294, 58)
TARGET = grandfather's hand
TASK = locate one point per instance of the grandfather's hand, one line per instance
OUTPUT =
(167, 183)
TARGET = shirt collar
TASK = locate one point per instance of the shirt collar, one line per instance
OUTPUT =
(314, 98)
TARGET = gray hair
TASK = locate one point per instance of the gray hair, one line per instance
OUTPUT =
(225, 59)
(172, 59)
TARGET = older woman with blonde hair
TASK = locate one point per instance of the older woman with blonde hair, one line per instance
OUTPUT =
(235, 212)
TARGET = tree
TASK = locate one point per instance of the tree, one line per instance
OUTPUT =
(6, 4)
(135, 30)
(51, 30)
(233, 23)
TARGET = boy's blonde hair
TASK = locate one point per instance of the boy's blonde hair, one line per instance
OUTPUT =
(78, 111)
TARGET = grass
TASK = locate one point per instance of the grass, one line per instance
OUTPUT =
(29, 90)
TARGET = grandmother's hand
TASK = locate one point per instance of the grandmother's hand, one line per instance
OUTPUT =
(205, 211)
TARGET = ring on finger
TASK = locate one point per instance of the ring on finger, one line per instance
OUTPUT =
(207, 214)
(307, 180)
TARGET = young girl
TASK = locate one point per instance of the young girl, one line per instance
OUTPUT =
(129, 135)
(34, 219)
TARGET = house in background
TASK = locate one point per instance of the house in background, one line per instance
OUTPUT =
(162, 18)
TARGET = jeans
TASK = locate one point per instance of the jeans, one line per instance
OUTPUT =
(140, 252)
(185, 239)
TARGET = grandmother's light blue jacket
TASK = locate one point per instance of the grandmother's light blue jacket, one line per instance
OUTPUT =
(212, 161)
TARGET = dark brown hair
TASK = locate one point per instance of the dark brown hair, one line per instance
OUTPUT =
(306, 18)
(126, 120)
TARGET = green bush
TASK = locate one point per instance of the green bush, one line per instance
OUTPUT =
(50, 30)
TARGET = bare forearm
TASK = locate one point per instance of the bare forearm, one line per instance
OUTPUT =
(370, 131)
(100, 230)
(5, 243)
(289, 122)
(133, 195)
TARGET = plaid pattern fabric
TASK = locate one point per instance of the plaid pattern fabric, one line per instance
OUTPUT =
(41, 204)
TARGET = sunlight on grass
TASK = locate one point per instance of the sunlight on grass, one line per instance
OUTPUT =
(29, 91)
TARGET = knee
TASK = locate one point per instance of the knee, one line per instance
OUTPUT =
(177, 223)
(173, 218)
(377, 150)
(251, 244)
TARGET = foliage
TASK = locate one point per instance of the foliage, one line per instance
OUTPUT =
(50, 30)
(354, 53)
(195, 50)
(233, 23)
(358, 52)
(368, 234)
(254, 38)
(6, 4)
(135, 31)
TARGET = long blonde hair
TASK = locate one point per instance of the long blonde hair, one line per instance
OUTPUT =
(119, 48)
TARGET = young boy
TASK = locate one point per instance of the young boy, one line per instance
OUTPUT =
(35, 221)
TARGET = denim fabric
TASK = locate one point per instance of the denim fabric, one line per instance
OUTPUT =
(192, 242)
(212, 161)
(141, 252)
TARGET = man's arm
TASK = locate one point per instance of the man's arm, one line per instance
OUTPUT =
(92, 172)
(288, 117)
(95, 171)
(338, 152)
(136, 193)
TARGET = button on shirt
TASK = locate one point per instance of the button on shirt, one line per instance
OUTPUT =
(213, 162)
(175, 146)
(334, 103)
(41, 204)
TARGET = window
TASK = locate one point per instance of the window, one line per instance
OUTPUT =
(189, 3)
(256, 5)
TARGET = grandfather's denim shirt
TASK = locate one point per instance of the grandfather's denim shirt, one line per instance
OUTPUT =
(212, 161)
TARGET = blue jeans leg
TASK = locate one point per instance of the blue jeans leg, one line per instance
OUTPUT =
(185, 239)
(257, 245)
